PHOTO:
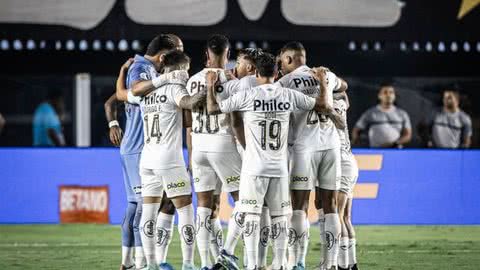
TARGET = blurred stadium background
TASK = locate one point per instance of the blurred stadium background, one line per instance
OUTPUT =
(75, 49)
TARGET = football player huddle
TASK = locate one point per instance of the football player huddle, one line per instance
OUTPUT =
(268, 132)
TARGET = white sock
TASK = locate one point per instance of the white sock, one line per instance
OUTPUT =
(352, 252)
(298, 229)
(332, 235)
(139, 258)
(235, 228)
(251, 235)
(216, 238)
(203, 235)
(279, 234)
(321, 226)
(292, 239)
(147, 231)
(343, 253)
(127, 256)
(265, 226)
(303, 243)
(164, 236)
(245, 256)
(186, 229)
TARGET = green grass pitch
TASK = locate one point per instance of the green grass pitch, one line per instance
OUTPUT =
(379, 247)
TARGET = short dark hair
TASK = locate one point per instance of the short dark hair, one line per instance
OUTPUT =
(266, 65)
(160, 42)
(175, 57)
(218, 44)
(250, 54)
(292, 46)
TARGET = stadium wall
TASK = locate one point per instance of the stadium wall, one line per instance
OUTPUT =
(395, 186)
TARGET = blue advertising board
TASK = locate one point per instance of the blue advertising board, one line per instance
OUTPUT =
(395, 187)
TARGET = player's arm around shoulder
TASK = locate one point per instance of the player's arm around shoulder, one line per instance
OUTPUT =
(211, 79)
(185, 101)
(322, 75)
(120, 87)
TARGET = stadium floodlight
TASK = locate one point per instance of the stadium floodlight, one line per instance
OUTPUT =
(123, 45)
(403, 46)
(4, 44)
(441, 46)
(466, 46)
(31, 45)
(17, 45)
(352, 46)
(252, 44)
(136, 45)
(43, 44)
(70, 45)
(478, 46)
(97, 45)
(83, 45)
(377, 46)
(454, 46)
(416, 46)
(58, 45)
(239, 45)
(428, 46)
(109, 45)
(364, 46)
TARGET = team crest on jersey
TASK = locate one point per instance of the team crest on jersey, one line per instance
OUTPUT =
(188, 234)
(219, 89)
(240, 219)
(292, 237)
(162, 236)
(330, 239)
(144, 76)
(149, 228)
(264, 235)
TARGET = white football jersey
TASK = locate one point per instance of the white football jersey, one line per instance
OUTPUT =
(311, 131)
(266, 114)
(162, 128)
(211, 133)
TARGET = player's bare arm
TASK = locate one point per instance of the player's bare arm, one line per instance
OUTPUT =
(192, 102)
(115, 132)
(321, 104)
(121, 91)
(338, 120)
(343, 85)
(237, 125)
(212, 104)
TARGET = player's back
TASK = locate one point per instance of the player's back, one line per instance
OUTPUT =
(311, 131)
(210, 133)
(266, 114)
(162, 125)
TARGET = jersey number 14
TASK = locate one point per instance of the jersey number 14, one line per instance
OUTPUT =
(154, 132)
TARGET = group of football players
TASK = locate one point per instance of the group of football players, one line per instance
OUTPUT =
(268, 132)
